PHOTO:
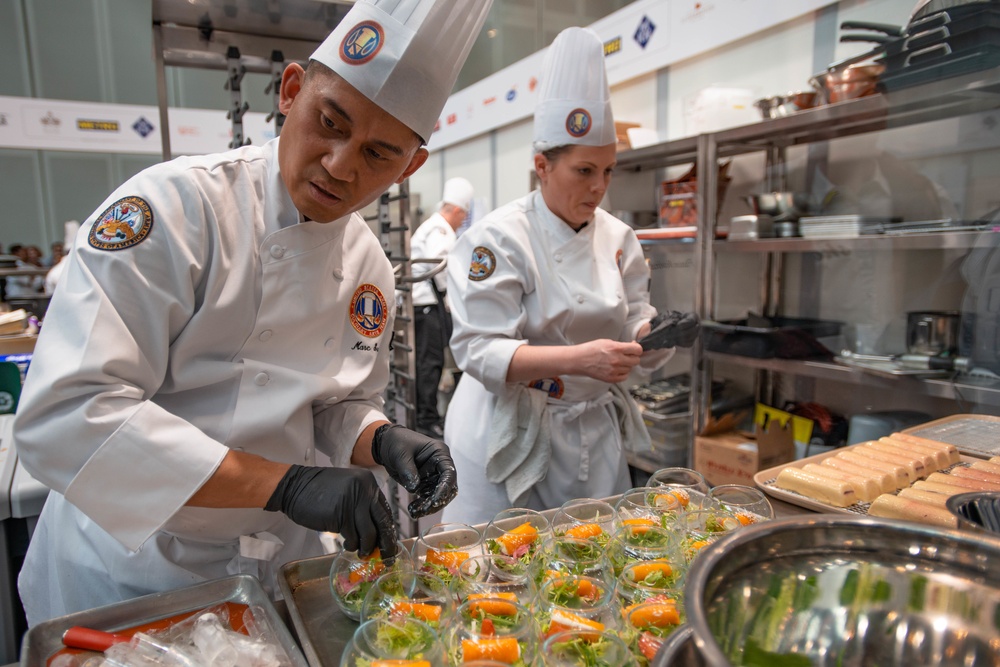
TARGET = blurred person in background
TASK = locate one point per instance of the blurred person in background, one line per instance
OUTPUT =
(25, 287)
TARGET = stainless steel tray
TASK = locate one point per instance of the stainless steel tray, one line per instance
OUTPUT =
(322, 629)
(45, 639)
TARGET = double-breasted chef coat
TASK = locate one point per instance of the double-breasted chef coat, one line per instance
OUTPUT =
(432, 240)
(523, 276)
(222, 321)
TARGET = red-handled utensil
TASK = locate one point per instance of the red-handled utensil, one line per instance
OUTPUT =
(90, 639)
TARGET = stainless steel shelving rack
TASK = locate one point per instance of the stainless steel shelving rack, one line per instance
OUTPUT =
(967, 94)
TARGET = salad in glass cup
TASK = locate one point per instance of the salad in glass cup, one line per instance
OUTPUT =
(493, 574)
(395, 642)
(586, 519)
(560, 556)
(584, 648)
(492, 628)
(441, 548)
(415, 594)
(517, 534)
(352, 576)
(648, 623)
(702, 527)
(648, 579)
(577, 603)
(642, 542)
(687, 486)
(748, 504)
(646, 505)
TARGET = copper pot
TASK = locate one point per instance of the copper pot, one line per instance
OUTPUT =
(847, 83)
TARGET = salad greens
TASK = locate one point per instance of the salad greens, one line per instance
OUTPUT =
(599, 653)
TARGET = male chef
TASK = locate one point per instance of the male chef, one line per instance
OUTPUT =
(206, 393)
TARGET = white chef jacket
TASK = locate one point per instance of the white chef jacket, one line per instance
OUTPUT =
(232, 325)
(536, 281)
(433, 239)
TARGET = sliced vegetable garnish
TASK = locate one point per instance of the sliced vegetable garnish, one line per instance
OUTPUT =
(494, 604)
(448, 559)
(585, 531)
(502, 649)
(421, 610)
(643, 570)
(517, 538)
(658, 615)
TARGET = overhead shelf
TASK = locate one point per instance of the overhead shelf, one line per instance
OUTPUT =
(938, 240)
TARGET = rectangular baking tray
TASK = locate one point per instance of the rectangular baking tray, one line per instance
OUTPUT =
(765, 480)
(45, 639)
(975, 435)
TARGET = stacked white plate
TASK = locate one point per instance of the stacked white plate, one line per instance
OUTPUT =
(839, 226)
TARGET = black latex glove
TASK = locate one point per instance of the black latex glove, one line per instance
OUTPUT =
(339, 500)
(670, 329)
(420, 463)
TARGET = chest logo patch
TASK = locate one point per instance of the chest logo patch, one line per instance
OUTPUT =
(484, 263)
(124, 224)
(362, 43)
(578, 122)
(368, 311)
(552, 386)
(618, 259)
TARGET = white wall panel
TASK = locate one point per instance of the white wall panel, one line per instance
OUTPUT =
(635, 101)
(514, 161)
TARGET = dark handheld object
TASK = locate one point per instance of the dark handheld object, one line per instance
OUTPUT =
(420, 463)
(340, 500)
(670, 329)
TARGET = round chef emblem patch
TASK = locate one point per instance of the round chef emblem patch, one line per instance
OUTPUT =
(552, 386)
(483, 263)
(362, 43)
(368, 311)
(618, 259)
(124, 224)
(578, 122)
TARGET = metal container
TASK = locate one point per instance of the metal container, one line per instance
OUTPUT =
(781, 206)
(751, 227)
(842, 590)
(933, 332)
(978, 511)
(679, 650)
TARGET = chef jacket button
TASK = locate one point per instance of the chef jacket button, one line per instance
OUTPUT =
(338, 274)
(619, 295)
(261, 379)
(557, 256)
(277, 251)
(265, 335)
(329, 343)
(579, 298)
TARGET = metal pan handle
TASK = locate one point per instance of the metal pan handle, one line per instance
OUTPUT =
(930, 49)
(927, 36)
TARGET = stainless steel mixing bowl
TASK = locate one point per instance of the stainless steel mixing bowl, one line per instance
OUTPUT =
(843, 590)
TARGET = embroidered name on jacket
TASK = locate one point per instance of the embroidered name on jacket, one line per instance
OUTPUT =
(368, 313)
(122, 225)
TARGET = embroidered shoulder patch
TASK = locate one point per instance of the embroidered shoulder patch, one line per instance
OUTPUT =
(578, 123)
(484, 263)
(368, 311)
(552, 386)
(124, 224)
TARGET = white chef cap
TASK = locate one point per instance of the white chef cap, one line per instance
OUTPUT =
(405, 55)
(70, 229)
(457, 191)
(574, 99)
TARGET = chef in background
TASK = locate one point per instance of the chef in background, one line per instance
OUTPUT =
(206, 394)
(549, 296)
(431, 319)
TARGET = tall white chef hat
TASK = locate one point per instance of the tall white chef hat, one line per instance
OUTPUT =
(574, 99)
(405, 55)
(458, 191)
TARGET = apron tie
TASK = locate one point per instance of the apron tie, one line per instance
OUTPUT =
(572, 413)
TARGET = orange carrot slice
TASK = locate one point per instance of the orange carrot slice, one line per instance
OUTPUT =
(501, 649)
(493, 603)
(517, 537)
(449, 559)
(423, 611)
(585, 531)
(643, 569)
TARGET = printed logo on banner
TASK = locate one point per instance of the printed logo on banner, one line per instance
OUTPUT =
(143, 127)
(644, 32)
(97, 125)
(511, 94)
(188, 131)
(452, 118)
(437, 125)
(612, 46)
(532, 84)
(50, 123)
(489, 100)
(3, 119)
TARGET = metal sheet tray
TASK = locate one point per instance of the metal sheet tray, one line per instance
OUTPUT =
(45, 639)
(975, 435)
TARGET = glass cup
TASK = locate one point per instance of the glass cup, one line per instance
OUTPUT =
(415, 594)
(493, 574)
(492, 628)
(750, 505)
(642, 542)
(570, 555)
(647, 505)
(352, 577)
(585, 518)
(689, 486)
(386, 639)
(577, 603)
(704, 526)
(442, 548)
(584, 648)
(648, 624)
(651, 579)
(517, 534)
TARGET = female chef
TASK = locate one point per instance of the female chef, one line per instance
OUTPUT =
(549, 294)
(214, 359)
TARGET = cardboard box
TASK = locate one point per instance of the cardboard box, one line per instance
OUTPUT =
(18, 344)
(733, 458)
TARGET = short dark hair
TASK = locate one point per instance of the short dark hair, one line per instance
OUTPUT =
(553, 154)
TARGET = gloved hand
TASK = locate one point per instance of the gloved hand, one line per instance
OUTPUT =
(340, 500)
(421, 464)
(669, 329)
